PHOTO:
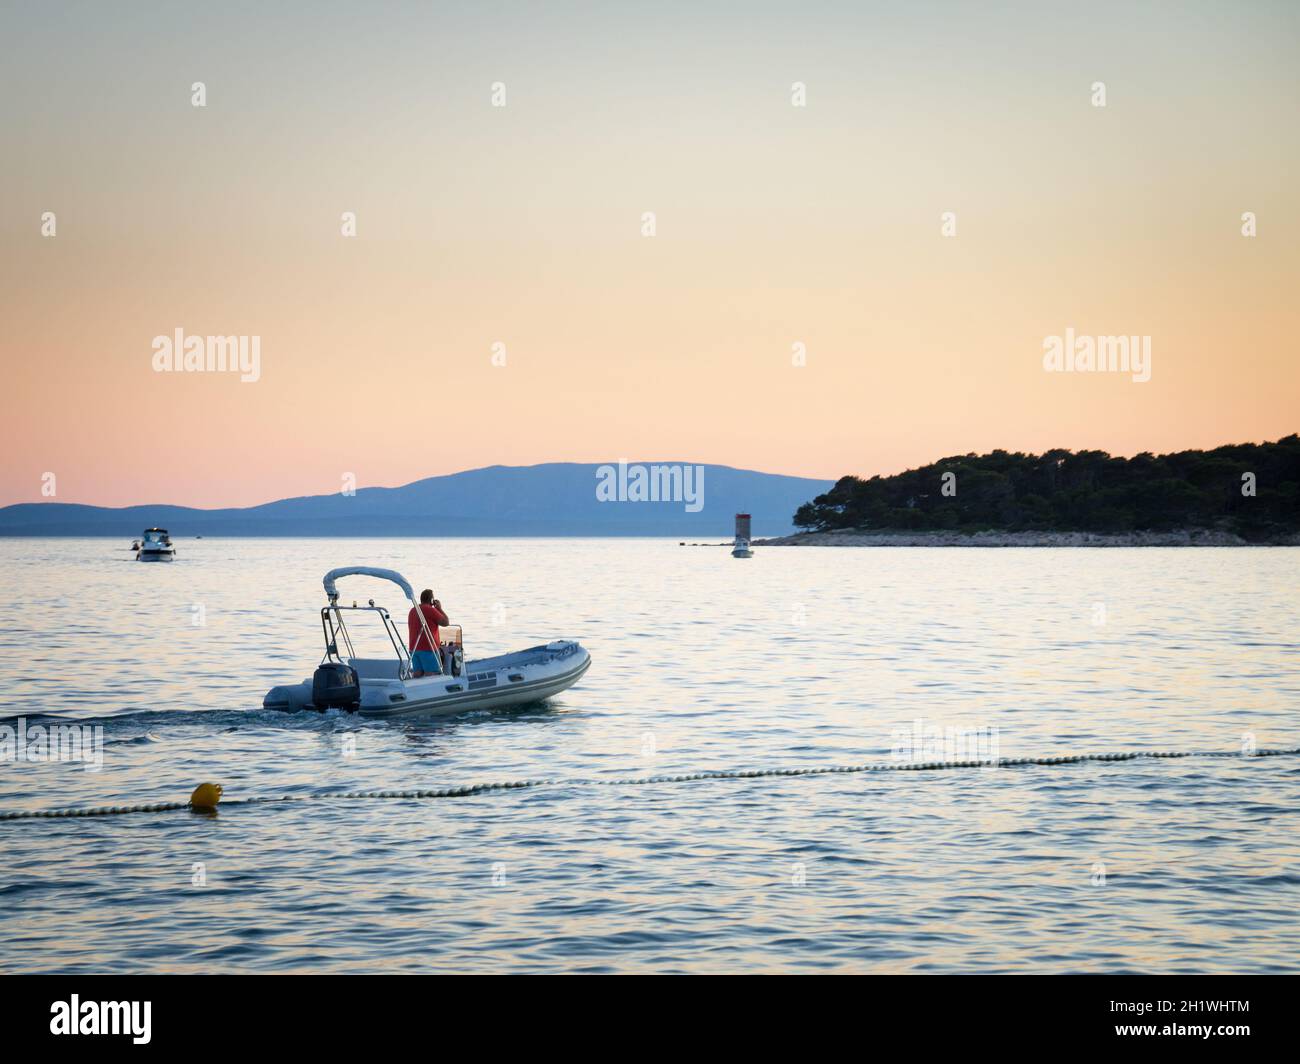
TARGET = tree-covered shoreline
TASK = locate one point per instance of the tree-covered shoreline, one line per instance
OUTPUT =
(1250, 490)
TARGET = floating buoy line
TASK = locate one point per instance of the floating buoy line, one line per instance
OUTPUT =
(207, 796)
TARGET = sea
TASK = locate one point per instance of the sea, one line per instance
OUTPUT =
(800, 658)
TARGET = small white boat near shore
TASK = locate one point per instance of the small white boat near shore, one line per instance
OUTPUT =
(387, 687)
(155, 545)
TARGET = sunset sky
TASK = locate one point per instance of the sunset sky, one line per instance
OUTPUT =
(776, 225)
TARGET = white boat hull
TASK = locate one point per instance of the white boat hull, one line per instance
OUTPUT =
(155, 556)
(490, 683)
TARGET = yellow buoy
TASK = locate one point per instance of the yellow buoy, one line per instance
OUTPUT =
(206, 796)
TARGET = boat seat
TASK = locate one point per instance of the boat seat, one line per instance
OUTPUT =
(376, 668)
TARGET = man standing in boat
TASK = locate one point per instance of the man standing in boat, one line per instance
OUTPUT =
(425, 659)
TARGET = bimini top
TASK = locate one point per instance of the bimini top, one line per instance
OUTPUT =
(332, 592)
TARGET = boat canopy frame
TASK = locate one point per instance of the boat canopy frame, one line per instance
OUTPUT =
(334, 575)
(333, 630)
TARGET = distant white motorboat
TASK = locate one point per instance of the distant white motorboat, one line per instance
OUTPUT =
(740, 548)
(155, 546)
(387, 686)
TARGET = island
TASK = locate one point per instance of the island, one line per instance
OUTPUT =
(1235, 495)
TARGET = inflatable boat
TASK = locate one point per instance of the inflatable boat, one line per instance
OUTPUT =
(387, 687)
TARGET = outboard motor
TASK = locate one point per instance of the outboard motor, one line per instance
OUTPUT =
(335, 686)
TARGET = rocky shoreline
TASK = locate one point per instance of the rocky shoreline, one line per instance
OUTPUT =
(1192, 537)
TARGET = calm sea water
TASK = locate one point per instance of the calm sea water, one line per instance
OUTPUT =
(800, 657)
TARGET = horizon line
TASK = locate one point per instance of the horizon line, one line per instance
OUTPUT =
(616, 462)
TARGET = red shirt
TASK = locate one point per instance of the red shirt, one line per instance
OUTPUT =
(432, 617)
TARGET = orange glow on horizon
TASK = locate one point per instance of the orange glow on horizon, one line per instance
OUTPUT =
(774, 226)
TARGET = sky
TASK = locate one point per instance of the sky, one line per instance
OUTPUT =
(802, 306)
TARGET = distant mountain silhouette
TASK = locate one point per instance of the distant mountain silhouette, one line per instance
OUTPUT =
(554, 499)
